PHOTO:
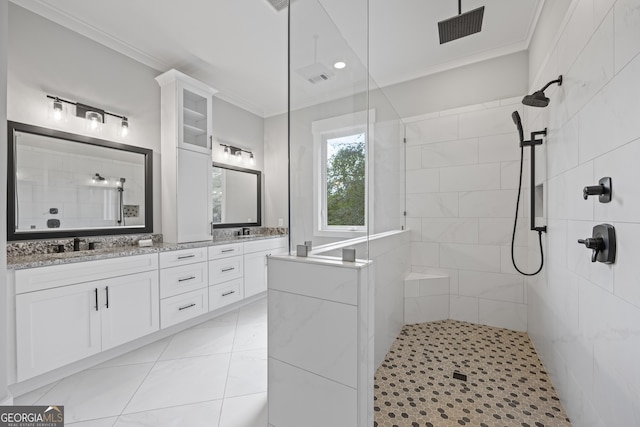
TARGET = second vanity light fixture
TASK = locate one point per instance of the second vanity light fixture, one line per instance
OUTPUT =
(94, 116)
(236, 154)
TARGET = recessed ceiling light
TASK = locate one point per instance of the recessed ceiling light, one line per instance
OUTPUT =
(339, 65)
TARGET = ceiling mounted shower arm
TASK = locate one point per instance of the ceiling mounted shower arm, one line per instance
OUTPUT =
(459, 7)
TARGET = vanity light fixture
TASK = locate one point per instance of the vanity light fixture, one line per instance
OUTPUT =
(236, 154)
(95, 116)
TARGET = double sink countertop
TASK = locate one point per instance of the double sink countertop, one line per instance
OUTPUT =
(46, 259)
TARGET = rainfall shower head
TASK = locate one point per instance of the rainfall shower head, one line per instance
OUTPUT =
(538, 98)
(462, 25)
(516, 119)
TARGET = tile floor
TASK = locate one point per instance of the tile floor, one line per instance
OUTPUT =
(506, 382)
(214, 374)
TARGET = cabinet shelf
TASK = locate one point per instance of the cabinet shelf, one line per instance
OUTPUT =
(193, 115)
(194, 131)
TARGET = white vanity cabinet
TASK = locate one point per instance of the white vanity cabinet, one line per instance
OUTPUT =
(68, 312)
(183, 285)
(186, 161)
(225, 275)
(255, 263)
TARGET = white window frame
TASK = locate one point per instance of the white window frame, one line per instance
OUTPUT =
(348, 124)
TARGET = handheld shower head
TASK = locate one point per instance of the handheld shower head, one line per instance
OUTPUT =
(538, 98)
(516, 120)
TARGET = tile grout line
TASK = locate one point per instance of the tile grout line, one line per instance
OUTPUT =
(226, 381)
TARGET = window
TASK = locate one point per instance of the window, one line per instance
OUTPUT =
(340, 175)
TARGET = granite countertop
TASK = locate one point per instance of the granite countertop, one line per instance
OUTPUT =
(42, 260)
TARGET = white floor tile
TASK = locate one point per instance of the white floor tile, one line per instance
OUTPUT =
(147, 354)
(96, 393)
(228, 319)
(245, 411)
(199, 414)
(200, 342)
(182, 381)
(253, 313)
(31, 397)
(102, 422)
(247, 373)
(252, 336)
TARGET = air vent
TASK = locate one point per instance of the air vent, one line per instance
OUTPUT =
(315, 73)
(278, 5)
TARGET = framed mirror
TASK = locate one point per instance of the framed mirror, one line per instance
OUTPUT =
(61, 184)
(236, 196)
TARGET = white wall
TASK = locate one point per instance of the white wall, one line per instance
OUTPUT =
(490, 80)
(234, 126)
(46, 58)
(4, 24)
(276, 153)
(584, 318)
(461, 185)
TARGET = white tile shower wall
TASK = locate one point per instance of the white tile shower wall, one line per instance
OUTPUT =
(461, 198)
(584, 317)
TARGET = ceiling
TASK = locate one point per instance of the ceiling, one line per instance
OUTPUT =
(240, 47)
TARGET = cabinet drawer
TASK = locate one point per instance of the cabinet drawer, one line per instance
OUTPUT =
(183, 307)
(225, 251)
(184, 278)
(35, 279)
(277, 245)
(225, 294)
(222, 270)
(182, 257)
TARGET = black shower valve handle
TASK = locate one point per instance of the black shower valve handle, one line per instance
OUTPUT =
(595, 243)
(593, 190)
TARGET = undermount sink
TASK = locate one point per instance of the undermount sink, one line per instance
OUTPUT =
(247, 236)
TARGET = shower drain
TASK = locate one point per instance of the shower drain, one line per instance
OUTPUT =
(459, 376)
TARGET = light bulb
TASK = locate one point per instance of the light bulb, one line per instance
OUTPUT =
(57, 110)
(339, 65)
(226, 152)
(238, 156)
(252, 160)
(124, 127)
(95, 120)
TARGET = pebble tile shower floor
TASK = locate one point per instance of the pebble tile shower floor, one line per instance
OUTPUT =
(506, 383)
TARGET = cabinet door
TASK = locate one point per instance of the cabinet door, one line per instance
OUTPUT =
(55, 327)
(194, 118)
(255, 273)
(129, 308)
(194, 202)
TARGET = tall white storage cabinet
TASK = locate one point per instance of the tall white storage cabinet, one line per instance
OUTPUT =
(186, 160)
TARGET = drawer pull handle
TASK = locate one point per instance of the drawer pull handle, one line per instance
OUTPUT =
(224, 251)
(187, 306)
(96, 291)
(186, 278)
(186, 256)
(228, 293)
(107, 292)
(224, 270)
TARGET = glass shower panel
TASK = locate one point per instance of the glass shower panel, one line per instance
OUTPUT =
(330, 147)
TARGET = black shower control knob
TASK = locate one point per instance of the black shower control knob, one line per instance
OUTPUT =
(592, 190)
(593, 242)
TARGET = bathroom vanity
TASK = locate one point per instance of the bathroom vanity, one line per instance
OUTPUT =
(69, 307)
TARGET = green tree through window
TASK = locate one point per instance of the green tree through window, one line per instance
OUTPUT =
(346, 167)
